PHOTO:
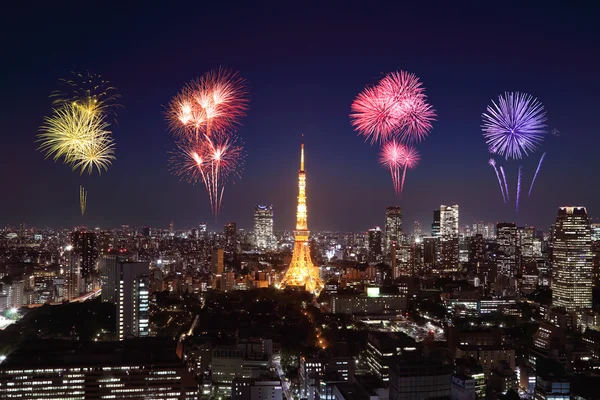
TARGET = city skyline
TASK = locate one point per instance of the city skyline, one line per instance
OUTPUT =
(301, 90)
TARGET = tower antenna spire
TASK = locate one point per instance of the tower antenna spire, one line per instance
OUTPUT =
(302, 155)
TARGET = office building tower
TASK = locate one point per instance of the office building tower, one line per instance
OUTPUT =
(506, 237)
(109, 273)
(72, 276)
(263, 227)
(172, 228)
(230, 245)
(374, 243)
(595, 232)
(302, 272)
(430, 251)
(476, 250)
(449, 242)
(147, 232)
(449, 221)
(435, 226)
(132, 299)
(71, 369)
(393, 226)
(15, 293)
(525, 246)
(218, 261)
(417, 232)
(202, 231)
(572, 260)
(84, 244)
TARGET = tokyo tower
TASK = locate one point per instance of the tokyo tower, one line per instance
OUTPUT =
(302, 272)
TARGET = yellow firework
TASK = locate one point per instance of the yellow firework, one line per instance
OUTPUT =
(82, 199)
(79, 136)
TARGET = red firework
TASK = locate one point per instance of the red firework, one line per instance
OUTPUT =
(395, 107)
(213, 103)
(409, 160)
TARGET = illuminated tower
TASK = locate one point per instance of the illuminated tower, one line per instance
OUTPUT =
(301, 271)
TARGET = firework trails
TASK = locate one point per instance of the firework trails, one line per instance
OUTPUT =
(515, 126)
(394, 107)
(390, 157)
(78, 131)
(492, 162)
(519, 187)
(536, 173)
(505, 183)
(201, 117)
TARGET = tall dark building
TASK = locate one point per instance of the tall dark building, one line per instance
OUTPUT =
(506, 237)
(430, 251)
(375, 244)
(84, 244)
(476, 249)
(572, 260)
(393, 226)
(435, 226)
(230, 246)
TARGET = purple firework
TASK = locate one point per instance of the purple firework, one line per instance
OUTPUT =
(519, 186)
(492, 162)
(515, 126)
(505, 183)
(536, 173)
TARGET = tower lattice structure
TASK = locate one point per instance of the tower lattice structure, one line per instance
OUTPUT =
(302, 271)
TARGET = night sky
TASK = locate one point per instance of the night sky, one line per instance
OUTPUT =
(304, 65)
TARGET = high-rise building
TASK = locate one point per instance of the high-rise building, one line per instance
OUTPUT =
(374, 243)
(132, 299)
(72, 276)
(147, 231)
(218, 261)
(449, 221)
(449, 245)
(84, 244)
(110, 274)
(572, 260)
(525, 246)
(393, 226)
(430, 251)
(230, 233)
(302, 271)
(435, 226)
(506, 237)
(417, 232)
(263, 227)
(202, 231)
(15, 293)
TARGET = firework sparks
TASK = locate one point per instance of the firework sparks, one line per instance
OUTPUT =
(519, 187)
(395, 106)
(409, 160)
(89, 91)
(391, 157)
(210, 161)
(492, 162)
(213, 103)
(201, 116)
(515, 126)
(536, 173)
(505, 183)
(82, 199)
(79, 137)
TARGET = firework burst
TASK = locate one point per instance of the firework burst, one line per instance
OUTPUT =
(79, 137)
(213, 103)
(409, 160)
(515, 126)
(391, 156)
(395, 107)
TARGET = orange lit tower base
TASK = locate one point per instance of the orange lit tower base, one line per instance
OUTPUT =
(302, 272)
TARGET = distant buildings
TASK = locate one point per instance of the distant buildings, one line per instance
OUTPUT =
(263, 227)
(371, 302)
(393, 226)
(572, 260)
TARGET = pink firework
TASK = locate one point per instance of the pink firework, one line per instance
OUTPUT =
(213, 103)
(395, 107)
(373, 114)
(409, 160)
(391, 156)
(211, 161)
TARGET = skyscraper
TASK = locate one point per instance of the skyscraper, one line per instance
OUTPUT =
(374, 243)
(572, 260)
(417, 230)
(110, 274)
(84, 244)
(449, 246)
(435, 226)
(506, 237)
(301, 271)
(263, 227)
(132, 299)
(230, 233)
(393, 226)
(72, 276)
(449, 221)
